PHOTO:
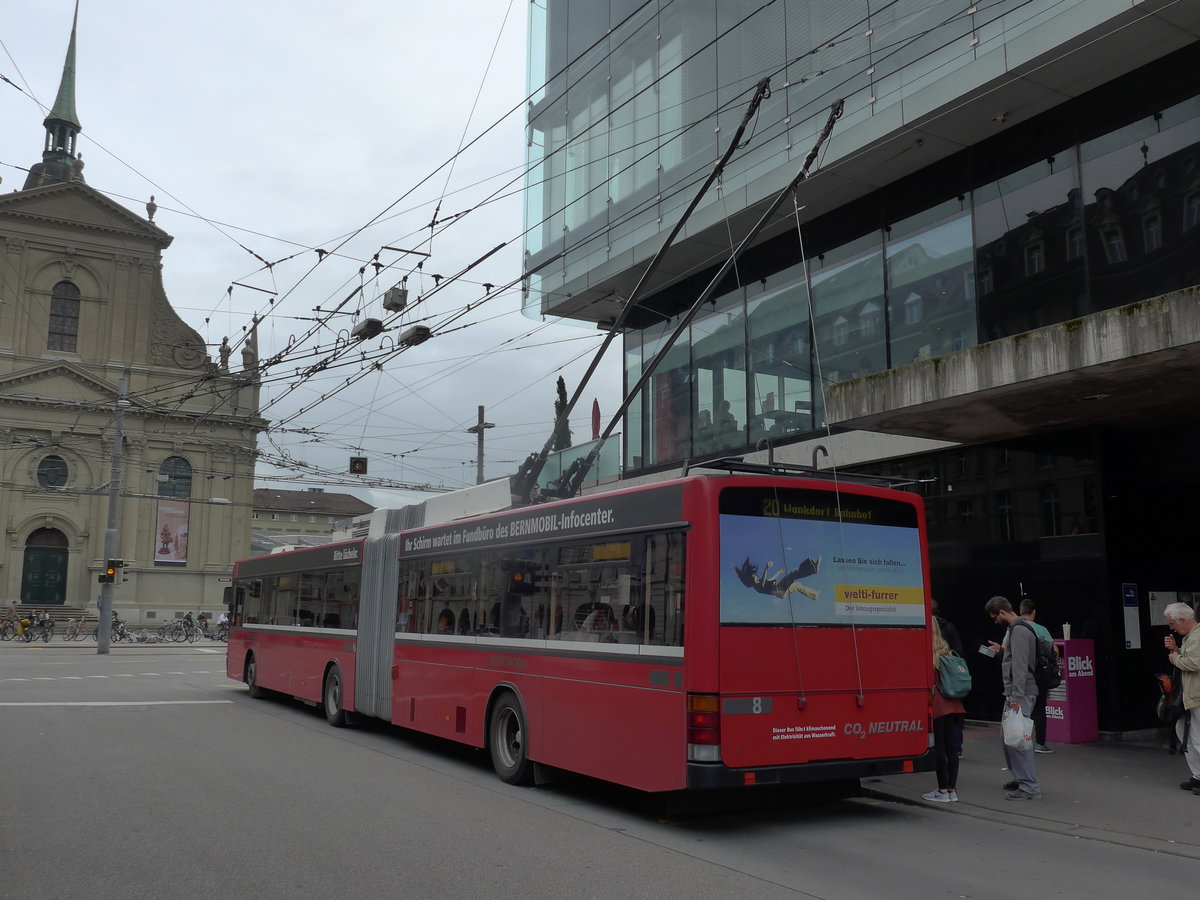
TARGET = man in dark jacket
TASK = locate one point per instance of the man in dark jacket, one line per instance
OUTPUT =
(1020, 693)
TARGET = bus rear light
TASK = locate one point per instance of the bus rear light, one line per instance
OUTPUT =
(704, 727)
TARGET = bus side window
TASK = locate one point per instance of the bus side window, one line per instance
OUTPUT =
(664, 590)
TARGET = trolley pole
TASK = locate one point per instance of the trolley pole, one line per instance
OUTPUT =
(478, 430)
(104, 632)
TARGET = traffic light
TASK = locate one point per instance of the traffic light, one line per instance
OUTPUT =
(358, 465)
(109, 575)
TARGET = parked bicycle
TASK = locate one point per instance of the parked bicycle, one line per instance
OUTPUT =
(42, 629)
(74, 630)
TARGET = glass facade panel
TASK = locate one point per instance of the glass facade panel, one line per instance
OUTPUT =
(1136, 185)
(780, 341)
(848, 319)
(930, 275)
(1025, 225)
(719, 361)
(668, 401)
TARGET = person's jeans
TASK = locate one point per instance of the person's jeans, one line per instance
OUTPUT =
(1191, 747)
(947, 744)
(1039, 718)
(1020, 762)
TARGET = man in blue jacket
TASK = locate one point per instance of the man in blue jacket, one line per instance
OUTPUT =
(1020, 693)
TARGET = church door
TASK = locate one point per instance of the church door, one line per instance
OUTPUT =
(44, 577)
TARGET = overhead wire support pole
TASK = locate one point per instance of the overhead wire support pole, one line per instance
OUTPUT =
(478, 431)
(573, 477)
(761, 92)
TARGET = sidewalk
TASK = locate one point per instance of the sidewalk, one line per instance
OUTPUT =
(1119, 792)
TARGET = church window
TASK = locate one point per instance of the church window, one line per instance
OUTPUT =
(175, 478)
(52, 472)
(64, 318)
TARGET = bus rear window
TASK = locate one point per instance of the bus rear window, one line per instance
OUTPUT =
(806, 557)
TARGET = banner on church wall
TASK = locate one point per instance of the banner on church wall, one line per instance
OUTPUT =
(171, 533)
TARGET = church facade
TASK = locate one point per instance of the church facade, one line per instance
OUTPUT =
(119, 436)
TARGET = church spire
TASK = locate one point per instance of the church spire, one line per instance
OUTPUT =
(60, 162)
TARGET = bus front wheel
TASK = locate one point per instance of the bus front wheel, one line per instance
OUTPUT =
(508, 741)
(335, 714)
(252, 687)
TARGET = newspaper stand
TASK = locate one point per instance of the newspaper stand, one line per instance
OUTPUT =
(1071, 707)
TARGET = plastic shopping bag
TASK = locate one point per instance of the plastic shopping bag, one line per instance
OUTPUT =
(1018, 729)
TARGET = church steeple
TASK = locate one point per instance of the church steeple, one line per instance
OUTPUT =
(60, 162)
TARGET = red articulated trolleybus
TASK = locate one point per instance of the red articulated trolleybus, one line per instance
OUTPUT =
(713, 631)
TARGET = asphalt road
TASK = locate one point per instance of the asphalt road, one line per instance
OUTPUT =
(146, 773)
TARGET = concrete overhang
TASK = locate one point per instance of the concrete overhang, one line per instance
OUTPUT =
(1133, 366)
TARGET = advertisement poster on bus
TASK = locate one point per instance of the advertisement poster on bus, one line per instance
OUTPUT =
(783, 571)
(171, 533)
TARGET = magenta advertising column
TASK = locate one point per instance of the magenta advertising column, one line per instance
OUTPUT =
(1071, 707)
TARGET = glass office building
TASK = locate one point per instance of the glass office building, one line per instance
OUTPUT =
(999, 167)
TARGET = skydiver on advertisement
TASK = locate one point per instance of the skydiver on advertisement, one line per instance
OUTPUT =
(782, 583)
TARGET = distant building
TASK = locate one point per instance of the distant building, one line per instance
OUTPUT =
(82, 309)
(309, 512)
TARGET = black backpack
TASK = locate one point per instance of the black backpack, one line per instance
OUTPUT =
(1047, 671)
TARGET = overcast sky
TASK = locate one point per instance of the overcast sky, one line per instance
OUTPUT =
(288, 125)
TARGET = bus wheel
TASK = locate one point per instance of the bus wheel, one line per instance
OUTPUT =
(508, 737)
(253, 689)
(334, 713)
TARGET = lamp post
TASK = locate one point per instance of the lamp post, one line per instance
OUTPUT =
(104, 631)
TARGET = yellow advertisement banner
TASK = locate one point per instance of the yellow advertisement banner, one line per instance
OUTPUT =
(877, 600)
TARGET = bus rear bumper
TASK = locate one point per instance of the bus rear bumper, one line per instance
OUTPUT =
(715, 776)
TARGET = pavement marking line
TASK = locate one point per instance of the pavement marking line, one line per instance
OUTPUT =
(96, 676)
(202, 650)
(124, 675)
(120, 703)
(44, 678)
(177, 673)
(71, 678)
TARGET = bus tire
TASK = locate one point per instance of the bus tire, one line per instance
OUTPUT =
(252, 687)
(508, 741)
(331, 697)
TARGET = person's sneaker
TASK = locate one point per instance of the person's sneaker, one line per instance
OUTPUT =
(954, 796)
(1012, 785)
(1021, 795)
(1191, 784)
(938, 797)
(1042, 748)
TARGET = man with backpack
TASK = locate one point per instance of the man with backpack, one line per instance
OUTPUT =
(1029, 614)
(1046, 671)
(1020, 693)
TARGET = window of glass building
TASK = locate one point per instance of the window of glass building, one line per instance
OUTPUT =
(1024, 226)
(848, 303)
(929, 271)
(780, 342)
(64, 318)
(719, 363)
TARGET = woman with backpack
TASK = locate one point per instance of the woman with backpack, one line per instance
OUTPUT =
(948, 714)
